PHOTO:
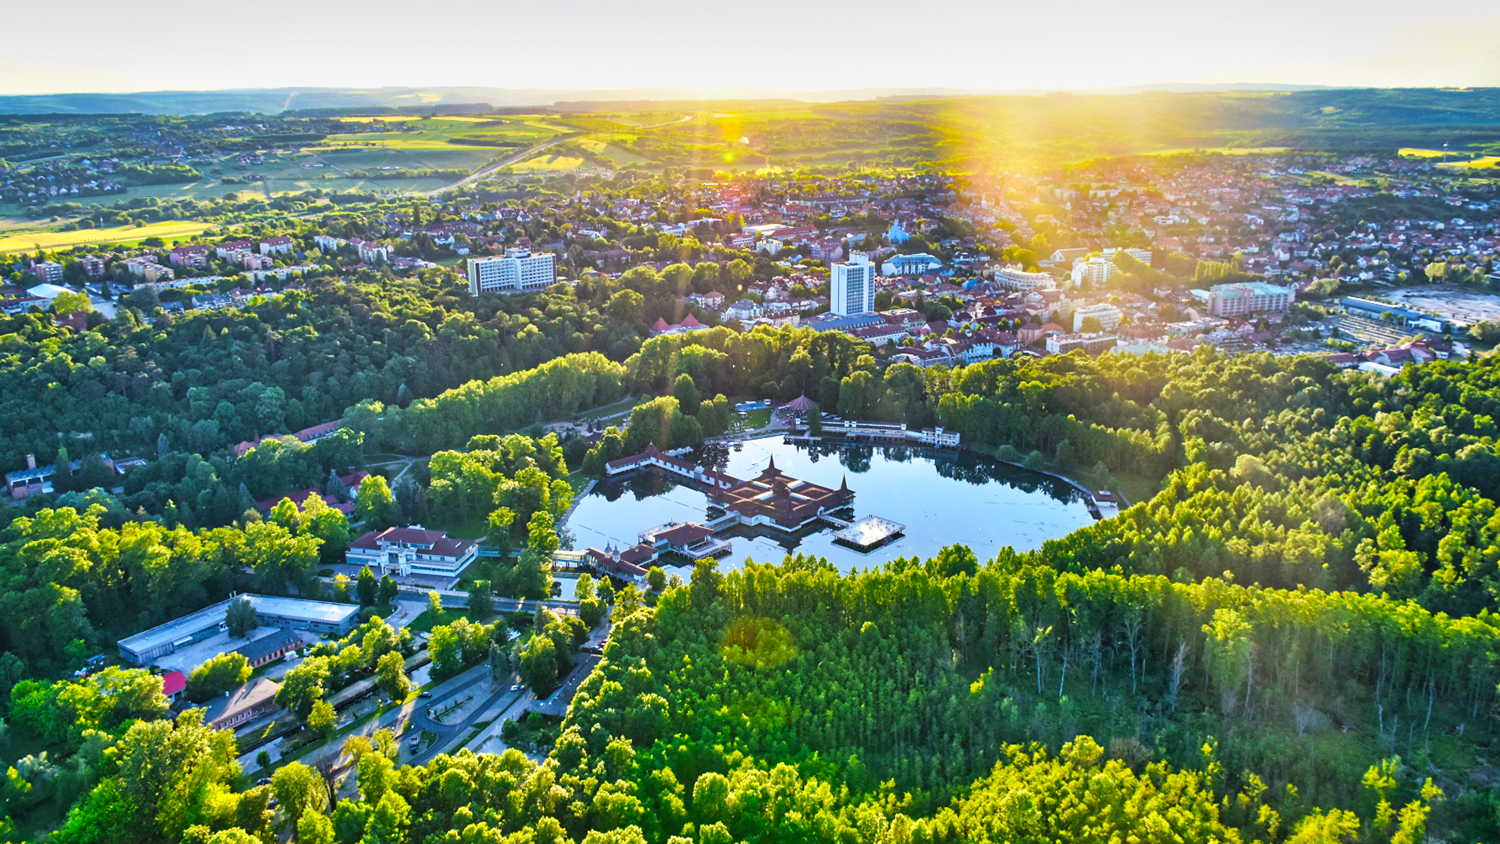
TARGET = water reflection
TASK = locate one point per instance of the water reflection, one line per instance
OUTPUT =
(942, 497)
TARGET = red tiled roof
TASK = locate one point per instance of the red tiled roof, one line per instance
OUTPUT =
(173, 682)
(437, 541)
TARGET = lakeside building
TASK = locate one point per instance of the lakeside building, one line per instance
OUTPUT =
(518, 271)
(412, 551)
(776, 499)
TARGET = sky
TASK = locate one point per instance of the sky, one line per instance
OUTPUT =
(75, 46)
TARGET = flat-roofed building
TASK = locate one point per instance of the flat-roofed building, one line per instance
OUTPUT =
(852, 286)
(1015, 278)
(1061, 344)
(319, 617)
(1251, 297)
(1108, 316)
(518, 271)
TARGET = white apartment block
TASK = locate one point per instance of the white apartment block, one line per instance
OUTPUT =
(1108, 316)
(1250, 298)
(1014, 278)
(518, 272)
(1094, 272)
(852, 286)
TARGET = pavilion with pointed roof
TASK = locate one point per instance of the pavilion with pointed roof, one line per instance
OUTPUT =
(799, 406)
(779, 500)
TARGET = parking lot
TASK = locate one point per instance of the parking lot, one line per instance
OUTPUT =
(1455, 303)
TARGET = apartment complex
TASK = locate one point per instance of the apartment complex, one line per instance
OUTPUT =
(1015, 278)
(852, 287)
(1094, 272)
(518, 271)
(1255, 297)
(1108, 316)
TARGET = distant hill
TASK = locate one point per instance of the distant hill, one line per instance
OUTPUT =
(278, 100)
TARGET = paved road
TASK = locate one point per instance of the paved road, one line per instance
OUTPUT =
(504, 162)
(683, 119)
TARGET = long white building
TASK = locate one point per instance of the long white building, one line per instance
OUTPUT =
(852, 286)
(1233, 300)
(1014, 278)
(518, 271)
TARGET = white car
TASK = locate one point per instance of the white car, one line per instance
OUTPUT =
(516, 687)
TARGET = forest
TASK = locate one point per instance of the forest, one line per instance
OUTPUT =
(1292, 639)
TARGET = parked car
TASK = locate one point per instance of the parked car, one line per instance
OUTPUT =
(516, 687)
(425, 694)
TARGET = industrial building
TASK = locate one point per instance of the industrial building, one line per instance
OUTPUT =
(319, 617)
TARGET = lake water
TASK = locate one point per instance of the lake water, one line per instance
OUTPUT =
(943, 498)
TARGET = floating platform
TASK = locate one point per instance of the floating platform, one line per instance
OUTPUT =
(869, 532)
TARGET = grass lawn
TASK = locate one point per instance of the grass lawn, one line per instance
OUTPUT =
(578, 480)
(468, 529)
(166, 230)
(610, 409)
(426, 621)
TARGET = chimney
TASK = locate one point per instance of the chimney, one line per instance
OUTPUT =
(31, 461)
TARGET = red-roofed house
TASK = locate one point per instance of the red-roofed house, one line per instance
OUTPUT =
(412, 551)
(300, 498)
(172, 685)
(280, 243)
(689, 323)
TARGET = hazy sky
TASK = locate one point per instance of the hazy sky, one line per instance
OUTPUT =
(96, 46)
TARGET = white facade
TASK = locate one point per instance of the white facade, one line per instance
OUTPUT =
(1108, 316)
(1095, 272)
(1014, 278)
(518, 272)
(852, 287)
(917, 263)
(1226, 300)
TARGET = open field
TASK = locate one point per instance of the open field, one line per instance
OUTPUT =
(548, 163)
(447, 133)
(1476, 164)
(26, 241)
(1413, 152)
(1219, 151)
